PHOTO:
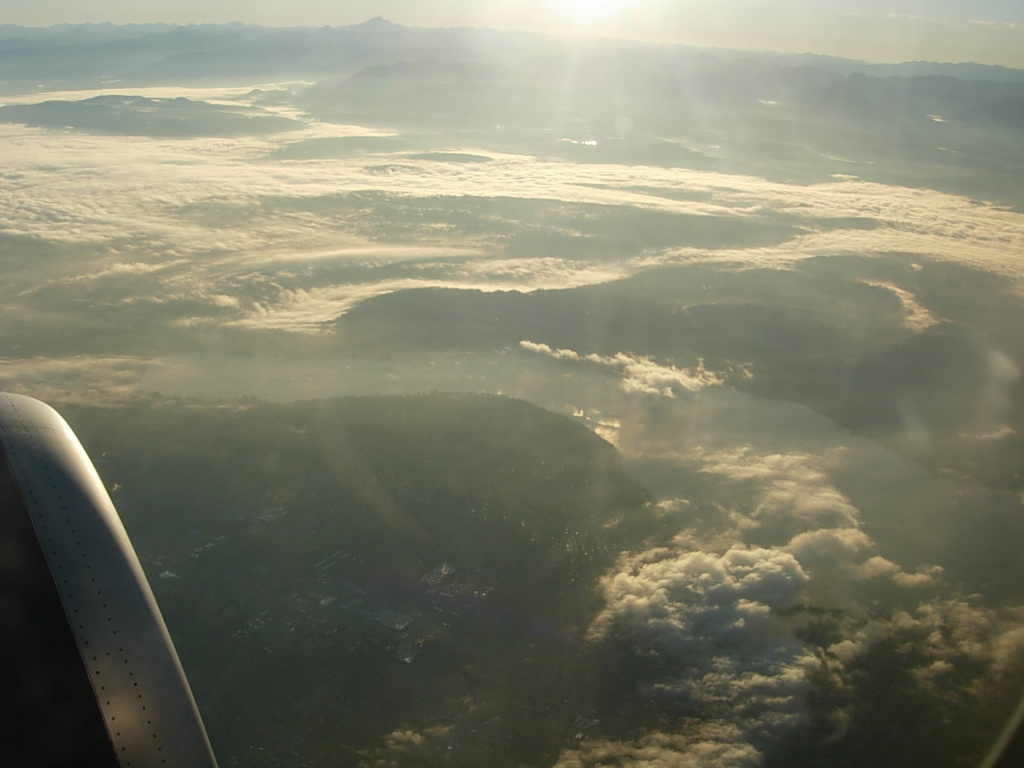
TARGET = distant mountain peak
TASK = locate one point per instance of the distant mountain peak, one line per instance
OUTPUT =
(379, 22)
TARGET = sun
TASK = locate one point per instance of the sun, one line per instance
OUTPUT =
(586, 12)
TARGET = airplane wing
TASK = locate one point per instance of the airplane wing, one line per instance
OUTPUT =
(86, 663)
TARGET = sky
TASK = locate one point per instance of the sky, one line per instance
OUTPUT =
(984, 31)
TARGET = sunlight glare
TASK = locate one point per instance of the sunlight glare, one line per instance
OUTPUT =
(588, 11)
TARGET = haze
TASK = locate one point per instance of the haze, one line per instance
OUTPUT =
(988, 31)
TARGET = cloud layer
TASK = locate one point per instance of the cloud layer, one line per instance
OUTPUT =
(773, 593)
(222, 214)
(746, 635)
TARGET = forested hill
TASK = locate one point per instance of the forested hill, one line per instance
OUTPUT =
(302, 552)
(489, 481)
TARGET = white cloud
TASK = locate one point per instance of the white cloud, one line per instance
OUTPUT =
(728, 632)
(839, 560)
(544, 349)
(791, 490)
(715, 622)
(644, 376)
(122, 269)
(536, 273)
(712, 744)
(946, 637)
(731, 608)
(640, 375)
(917, 317)
(312, 309)
(90, 379)
(411, 740)
(925, 577)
